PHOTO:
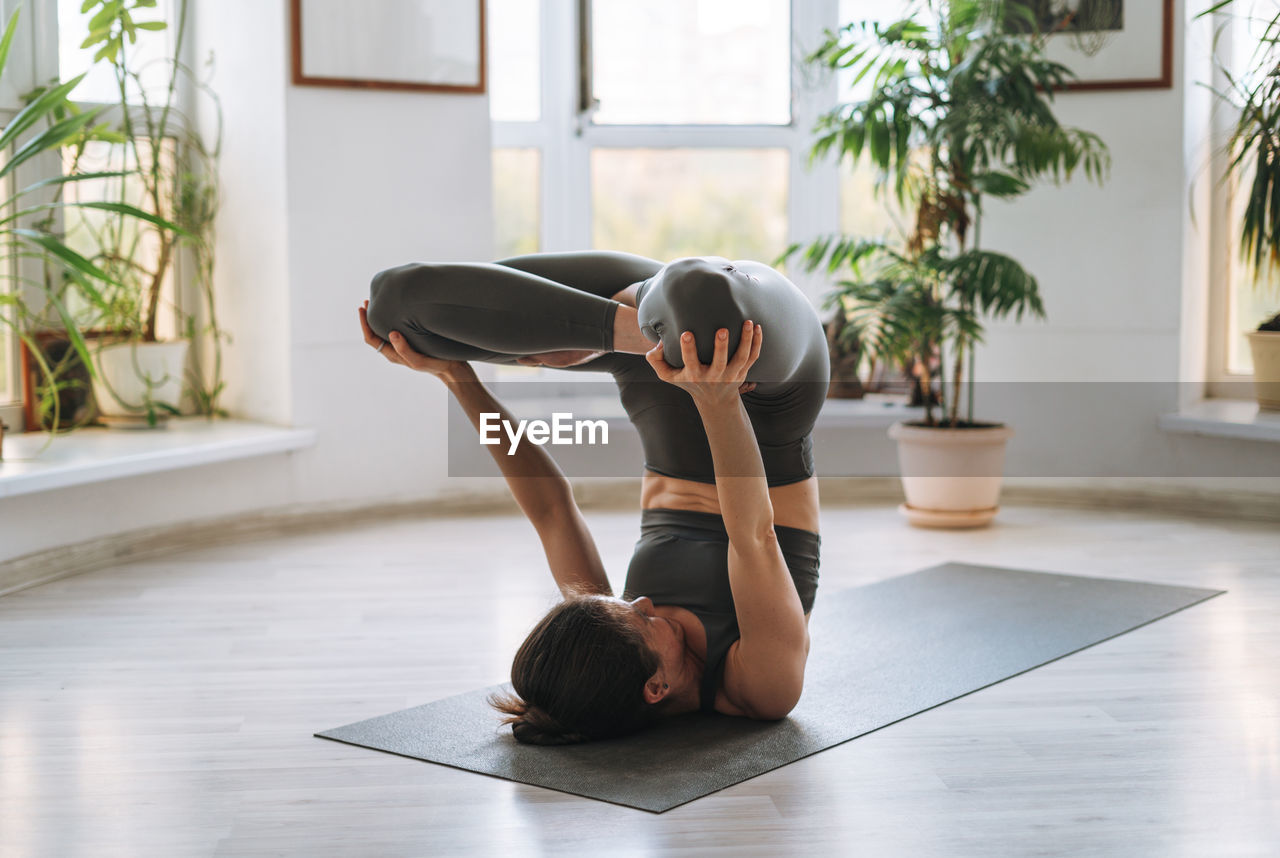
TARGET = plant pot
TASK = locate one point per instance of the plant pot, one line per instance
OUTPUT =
(1265, 347)
(951, 477)
(134, 378)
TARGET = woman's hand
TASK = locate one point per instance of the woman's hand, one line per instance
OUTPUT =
(403, 354)
(722, 380)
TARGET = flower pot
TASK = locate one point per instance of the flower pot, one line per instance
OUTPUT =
(1265, 347)
(133, 374)
(951, 477)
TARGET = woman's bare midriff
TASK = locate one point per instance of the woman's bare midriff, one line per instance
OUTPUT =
(794, 505)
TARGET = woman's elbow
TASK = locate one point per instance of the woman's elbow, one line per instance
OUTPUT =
(779, 705)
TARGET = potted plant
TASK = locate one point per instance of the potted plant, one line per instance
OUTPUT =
(959, 110)
(167, 170)
(1253, 147)
(41, 129)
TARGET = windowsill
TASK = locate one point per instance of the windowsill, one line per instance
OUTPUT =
(876, 411)
(96, 454)
(1225, 418)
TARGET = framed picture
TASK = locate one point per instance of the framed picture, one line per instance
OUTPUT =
(1109, 44)
(424, 45)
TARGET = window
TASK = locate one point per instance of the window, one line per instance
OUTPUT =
(47, 46)
(10, 390)
(1240, 298)
(699, 148)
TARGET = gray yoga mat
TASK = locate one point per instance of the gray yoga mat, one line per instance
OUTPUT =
(880, 653)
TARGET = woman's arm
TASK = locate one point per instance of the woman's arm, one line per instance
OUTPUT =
(765, 673)
(535, 481)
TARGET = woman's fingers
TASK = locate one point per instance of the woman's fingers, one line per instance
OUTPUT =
(403, 352)
(720, 357)
(748, 348)
(689, 350)
(370, 337)
(659, 363)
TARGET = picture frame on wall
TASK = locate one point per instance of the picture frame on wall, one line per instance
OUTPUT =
(1109, 44)
(416, 45)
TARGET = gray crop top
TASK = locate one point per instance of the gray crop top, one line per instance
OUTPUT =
(682, 558)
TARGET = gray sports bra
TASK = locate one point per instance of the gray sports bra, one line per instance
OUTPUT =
(682, 558)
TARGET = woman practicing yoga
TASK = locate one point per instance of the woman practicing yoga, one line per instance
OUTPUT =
(714, 613)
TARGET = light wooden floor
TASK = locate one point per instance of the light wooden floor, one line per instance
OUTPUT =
(165, 708)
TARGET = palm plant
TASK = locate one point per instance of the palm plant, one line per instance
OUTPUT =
(48, 106)
(1254, 144)
(959, 111)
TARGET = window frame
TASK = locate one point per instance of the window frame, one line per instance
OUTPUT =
(1220, 382)
(566, 137)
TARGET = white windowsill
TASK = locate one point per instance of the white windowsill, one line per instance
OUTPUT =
(1225, 418)
(96, 454)
(874, 412)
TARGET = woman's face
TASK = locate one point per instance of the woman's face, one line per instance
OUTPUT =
(663, 634)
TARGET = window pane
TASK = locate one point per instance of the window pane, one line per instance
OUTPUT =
(6, 357)
(667, 203)
(124, 247)
(1255, 296)
(146, 56)
(709, 62)
(882, 12)
(516, 178)
(514, 60)
(866, 210)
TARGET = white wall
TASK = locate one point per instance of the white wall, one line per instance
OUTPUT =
(252, 273)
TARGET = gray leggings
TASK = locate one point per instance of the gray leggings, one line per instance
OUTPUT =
(552, 301)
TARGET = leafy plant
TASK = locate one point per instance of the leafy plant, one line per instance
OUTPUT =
(959, 111)
(1254, 144)
(50, 107)
(166, 169)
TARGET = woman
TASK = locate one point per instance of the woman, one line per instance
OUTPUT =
(715, 609)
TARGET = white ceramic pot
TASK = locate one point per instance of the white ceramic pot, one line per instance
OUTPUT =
(132, 373)
(1265, 348)
(951, 477)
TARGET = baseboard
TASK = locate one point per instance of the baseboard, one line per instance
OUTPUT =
(34, 569)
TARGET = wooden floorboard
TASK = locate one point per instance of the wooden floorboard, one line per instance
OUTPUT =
(166, 707)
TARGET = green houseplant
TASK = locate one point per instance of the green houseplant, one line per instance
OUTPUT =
(1254, 159)
(959, 110)
(46, 124)
(163, 167)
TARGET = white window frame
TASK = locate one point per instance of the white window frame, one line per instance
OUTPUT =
(18, 78)
(565, 138)
(1223, 239)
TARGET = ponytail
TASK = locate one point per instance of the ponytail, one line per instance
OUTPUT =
(531, 725)
(580, 675)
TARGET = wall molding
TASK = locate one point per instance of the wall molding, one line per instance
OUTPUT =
(34, 569)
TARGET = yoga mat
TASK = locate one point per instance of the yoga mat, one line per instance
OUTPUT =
(879, 653)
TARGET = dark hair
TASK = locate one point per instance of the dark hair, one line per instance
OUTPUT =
(580, 675)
